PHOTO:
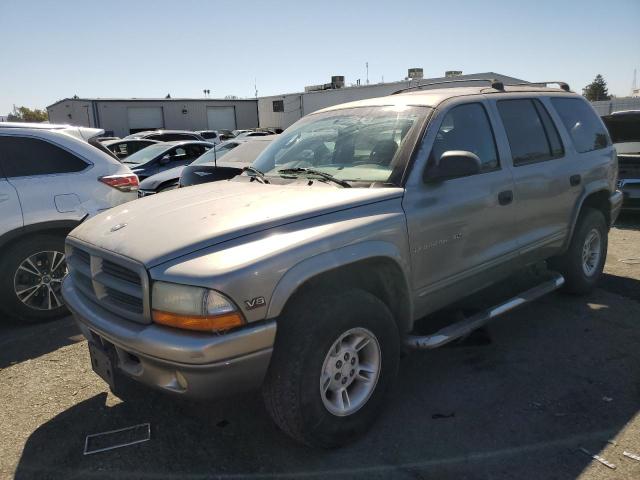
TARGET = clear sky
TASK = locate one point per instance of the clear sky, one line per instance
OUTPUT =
(112, 48)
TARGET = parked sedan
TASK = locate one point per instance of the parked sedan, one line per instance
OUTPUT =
(164, 156)
(170, 179)
(127, 146)
(207, 169)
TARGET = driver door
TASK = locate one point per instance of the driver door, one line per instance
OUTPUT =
(461, 230)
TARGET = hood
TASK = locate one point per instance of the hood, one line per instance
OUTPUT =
(152, 182)
(159, 228)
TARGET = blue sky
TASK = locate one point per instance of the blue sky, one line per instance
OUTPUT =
(113, 48)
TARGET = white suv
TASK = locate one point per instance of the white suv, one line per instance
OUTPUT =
(52, 177)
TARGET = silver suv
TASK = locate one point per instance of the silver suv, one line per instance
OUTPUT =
(51, 179)
(306, 275)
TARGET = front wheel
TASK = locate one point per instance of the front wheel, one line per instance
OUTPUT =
(333, 362)
(583, 262)
(31, 274)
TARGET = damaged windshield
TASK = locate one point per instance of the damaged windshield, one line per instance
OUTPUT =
(352, 145)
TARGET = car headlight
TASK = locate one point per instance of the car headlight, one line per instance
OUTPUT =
(193, 308)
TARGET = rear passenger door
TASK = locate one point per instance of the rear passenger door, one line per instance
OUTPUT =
(460, 229)
(45, 177)
(541, 171)
(10, 211)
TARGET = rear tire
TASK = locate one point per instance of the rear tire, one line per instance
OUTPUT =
(583, 262)
(31, 272)
(315, 344)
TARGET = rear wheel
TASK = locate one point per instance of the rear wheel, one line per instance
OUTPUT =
(583, 262)
(333, 362)
(31, 273)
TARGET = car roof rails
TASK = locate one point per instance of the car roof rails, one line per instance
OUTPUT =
(497, 84)
(562, 85)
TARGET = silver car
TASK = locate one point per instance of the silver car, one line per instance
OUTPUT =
(51, 179)
(306, 275)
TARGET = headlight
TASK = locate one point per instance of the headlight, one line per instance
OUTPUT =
(193, 308)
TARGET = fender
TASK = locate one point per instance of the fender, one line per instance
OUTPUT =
(35, 228)
(327, 261)
(601, 185)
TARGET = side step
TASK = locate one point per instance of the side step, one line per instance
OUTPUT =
(468, 325)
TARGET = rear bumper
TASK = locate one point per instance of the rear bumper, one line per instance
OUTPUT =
(189, 364)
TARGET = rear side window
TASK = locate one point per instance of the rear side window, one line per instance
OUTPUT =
(532, 135)
(586, 130)
(22, 156)
(466, 127)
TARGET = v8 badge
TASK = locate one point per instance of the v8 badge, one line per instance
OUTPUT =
(255, 303)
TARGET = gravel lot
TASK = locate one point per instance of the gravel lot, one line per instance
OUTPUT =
(517, 400)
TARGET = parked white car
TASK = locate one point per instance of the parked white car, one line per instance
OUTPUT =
(52, 177)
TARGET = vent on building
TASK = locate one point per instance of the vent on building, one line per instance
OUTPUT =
(337, 81)
(415, 73)
(452, 73)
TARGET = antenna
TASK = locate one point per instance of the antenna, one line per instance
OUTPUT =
(634, 84)
(255, 86)
(367, 64)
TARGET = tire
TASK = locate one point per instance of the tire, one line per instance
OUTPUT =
(13, 279)
(307, 331)
(580, 274)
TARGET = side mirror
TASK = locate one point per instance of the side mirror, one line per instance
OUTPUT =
(166, 159)
(454, 164)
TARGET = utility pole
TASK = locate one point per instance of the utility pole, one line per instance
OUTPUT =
(367, 64)
(634, 85)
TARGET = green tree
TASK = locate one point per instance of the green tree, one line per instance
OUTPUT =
(25, 114)
(596, 90)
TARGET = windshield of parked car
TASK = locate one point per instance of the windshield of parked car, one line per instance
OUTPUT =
(355, 144)
(211, 155)
(147, 154)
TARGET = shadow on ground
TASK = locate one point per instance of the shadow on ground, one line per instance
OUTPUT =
(23, 342)
(550, 378)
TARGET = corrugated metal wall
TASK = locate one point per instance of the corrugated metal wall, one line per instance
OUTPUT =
(606, 107)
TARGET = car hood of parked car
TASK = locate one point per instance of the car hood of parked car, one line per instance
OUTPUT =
(159, 228)
(154, 181)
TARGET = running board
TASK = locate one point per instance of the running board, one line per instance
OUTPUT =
(468, 325)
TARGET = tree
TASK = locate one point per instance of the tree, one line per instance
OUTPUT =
(25, 114)
(596, 90)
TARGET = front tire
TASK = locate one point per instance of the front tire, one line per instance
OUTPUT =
(583, 262)
(31, 273)
(335, 357)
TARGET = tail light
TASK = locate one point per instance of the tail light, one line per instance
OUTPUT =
(127, 182)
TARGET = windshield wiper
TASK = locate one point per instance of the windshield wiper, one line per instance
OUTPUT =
(311, 171)
(257, 174)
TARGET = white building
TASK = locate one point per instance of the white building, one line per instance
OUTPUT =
(280, 111)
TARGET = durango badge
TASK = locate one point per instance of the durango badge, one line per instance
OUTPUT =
(117, 227)
(255, 303)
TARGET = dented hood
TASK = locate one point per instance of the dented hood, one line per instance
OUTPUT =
(159, 228)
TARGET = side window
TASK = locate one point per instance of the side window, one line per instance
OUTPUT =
(531, 133)
(586, 130)
(467, 127)
(22, 156)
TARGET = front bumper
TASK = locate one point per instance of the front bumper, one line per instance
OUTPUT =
(631, 194)
(189, 364)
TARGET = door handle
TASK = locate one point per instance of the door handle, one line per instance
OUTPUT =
(506, 197)
(575, 180)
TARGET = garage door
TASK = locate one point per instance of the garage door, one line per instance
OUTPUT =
(144, 118)
(221, 117)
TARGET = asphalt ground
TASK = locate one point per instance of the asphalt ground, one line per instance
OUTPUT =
(517, 400)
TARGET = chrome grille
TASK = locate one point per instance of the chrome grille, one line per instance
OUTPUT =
(117, 284)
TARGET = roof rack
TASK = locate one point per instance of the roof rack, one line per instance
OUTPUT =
(563, 85)
(497, 84)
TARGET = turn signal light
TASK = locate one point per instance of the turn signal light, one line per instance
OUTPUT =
(217, 323)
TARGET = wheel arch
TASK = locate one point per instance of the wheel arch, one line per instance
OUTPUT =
(376, 267)
(55, 227)
(598, 199)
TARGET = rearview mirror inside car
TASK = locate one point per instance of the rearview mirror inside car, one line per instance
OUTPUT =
(454, 164)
